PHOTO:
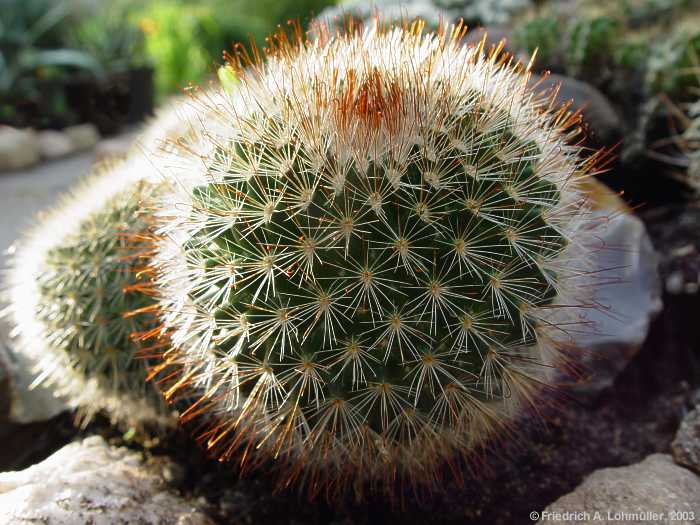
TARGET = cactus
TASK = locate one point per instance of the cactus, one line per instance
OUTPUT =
(73, 283)
(672, 65)
(374, 263)
(577, 46)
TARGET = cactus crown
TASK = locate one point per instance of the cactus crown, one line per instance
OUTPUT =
(74, 282)
(365, 276)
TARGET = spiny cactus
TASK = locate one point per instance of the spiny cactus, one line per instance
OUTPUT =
(373, 263)
(73, 284)
(672, 65)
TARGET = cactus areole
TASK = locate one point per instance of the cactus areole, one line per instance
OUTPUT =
(370, 265)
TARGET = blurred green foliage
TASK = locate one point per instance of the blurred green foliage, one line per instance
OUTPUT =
(185, 39)
(642, 40)
(576, 46)
(110, 36)
(34, 53)
(673, 64)
(590, 42)
(44, 42)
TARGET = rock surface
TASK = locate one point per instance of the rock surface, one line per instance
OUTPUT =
(433, 12)
(494, 36)
(629, 299)
(82, 136)
(604, 125)
(54, 144)
(116, 147)
(389, 10)
(652, 491)
(686, 446)
(18, 148)
(91, 482)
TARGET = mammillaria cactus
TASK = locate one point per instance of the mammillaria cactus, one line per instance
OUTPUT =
(374, 263)
(73, 283)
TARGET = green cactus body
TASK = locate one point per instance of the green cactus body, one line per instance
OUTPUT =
(74, 283)
(371, 270)
(87, 290)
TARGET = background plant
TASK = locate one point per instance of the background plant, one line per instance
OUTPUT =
(185, 39)
(109, 35)
(34, 54)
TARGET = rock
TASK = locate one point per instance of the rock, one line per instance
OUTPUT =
(494, 35)
(686, 445)
(116, 147)
(82, 136)
(630, 298)
(473, 12)
(54, 144)
(92, 482)
(652, 491)
(603, 124)
(18, 148)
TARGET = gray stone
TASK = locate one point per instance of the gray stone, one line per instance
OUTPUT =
(686, 445)
(82, 136)
(494, 35)
(92, 482)
(116, 147)
(653, 491)
(603, 123)
(54, 144)
(18, 148)
(630, 299)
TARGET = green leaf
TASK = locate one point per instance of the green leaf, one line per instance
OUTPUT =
(64, 57)
(48, 21)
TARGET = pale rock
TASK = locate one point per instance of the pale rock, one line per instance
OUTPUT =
(686, 445)
(54, 144)
(629, 299)
(653, 491)
(18, 148)
(116, 147)
(82, 136)
(92, 482)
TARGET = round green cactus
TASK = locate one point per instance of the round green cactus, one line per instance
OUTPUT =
(75, 282)
(372, 264)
